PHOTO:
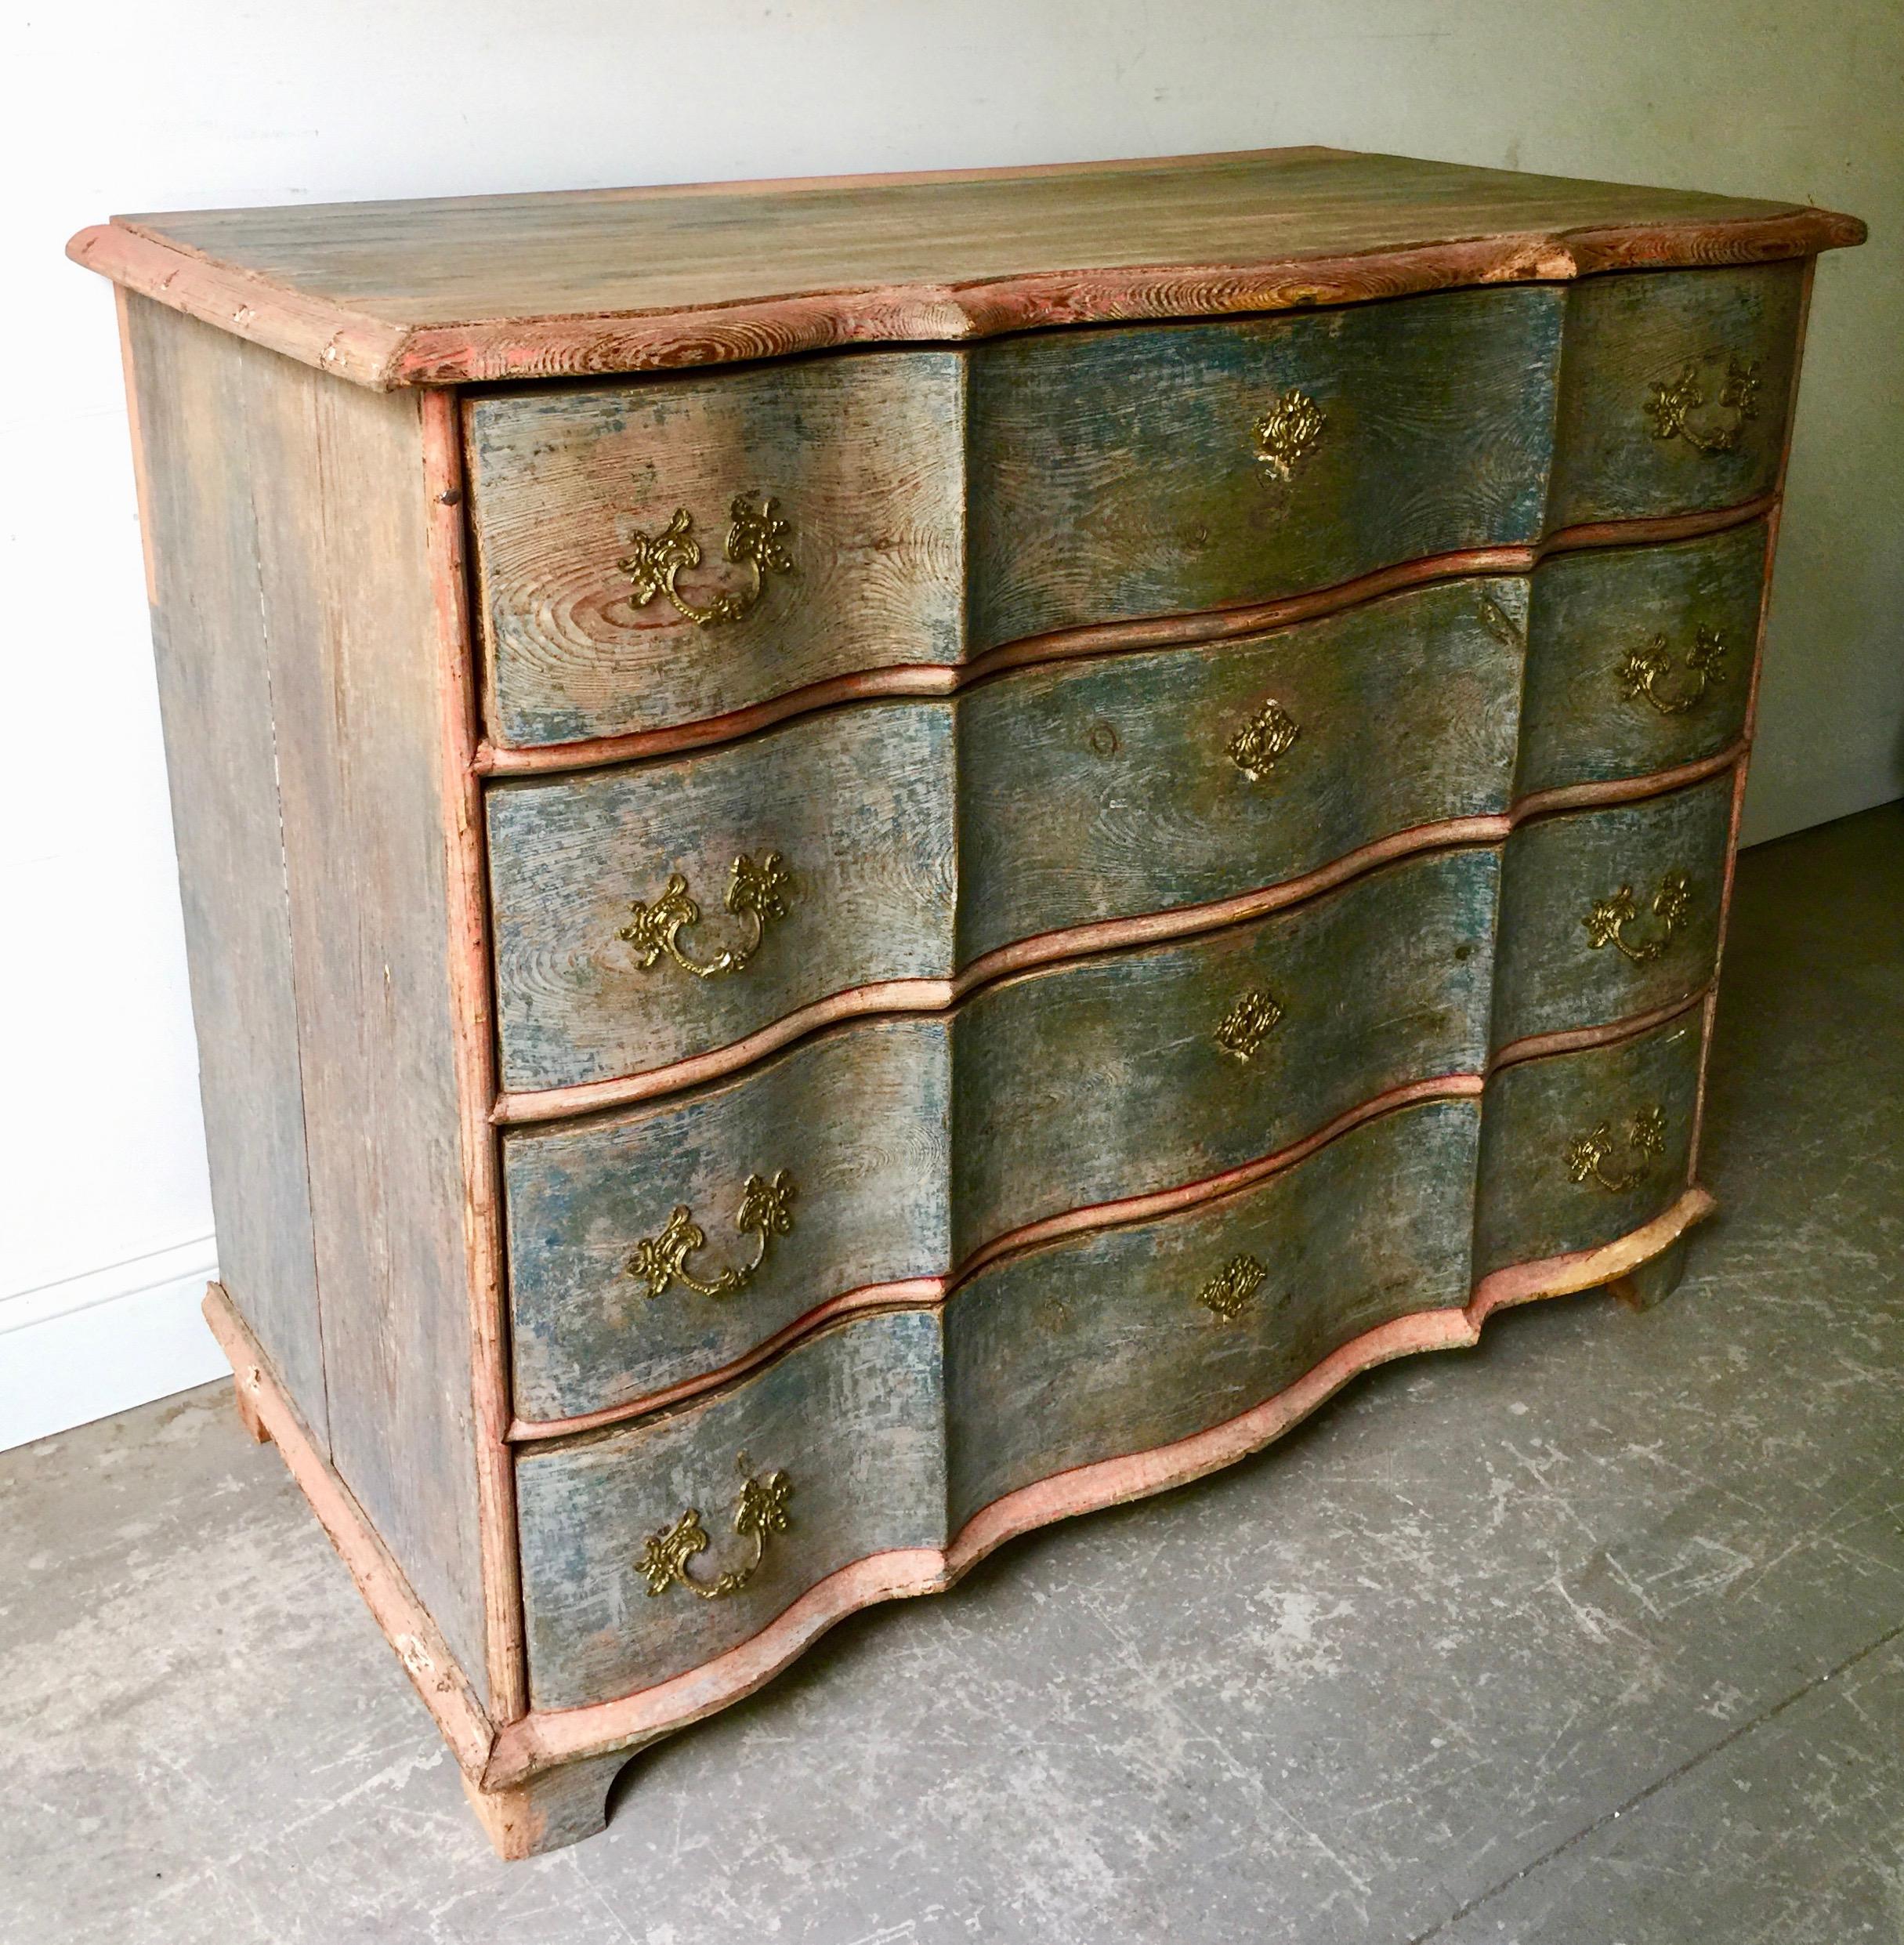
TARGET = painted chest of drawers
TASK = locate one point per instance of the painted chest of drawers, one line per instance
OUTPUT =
(869, 862)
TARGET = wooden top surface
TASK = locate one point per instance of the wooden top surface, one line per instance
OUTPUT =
(454, 290)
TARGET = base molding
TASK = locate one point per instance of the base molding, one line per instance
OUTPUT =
(541, 1781)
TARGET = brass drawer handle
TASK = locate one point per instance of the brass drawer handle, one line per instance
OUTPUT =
(1247, 1025)
(1268, 735)
(1228, 1293)
(756, 539)
(1645, 669)
(1606, 922)
(765, 1211)
(1672, 406)
(754, 893)
(1288, 433)
(1587, 1153)
(760, 1511)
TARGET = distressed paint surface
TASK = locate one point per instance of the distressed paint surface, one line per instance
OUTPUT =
(1593, 610)
(855, 802)
(1098, 1345)
(215, 694)
(1107, 789)
(862, 455)
(1627, 335)
(1551, 976)
(1113, 476)
(855, 1416)
(1104, 790)
(916, 1143)
(1114, 473)
(1084, 1083)
(859, 1119)
(1530, 1207)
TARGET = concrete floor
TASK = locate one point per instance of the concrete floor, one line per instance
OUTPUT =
(1591, 1636)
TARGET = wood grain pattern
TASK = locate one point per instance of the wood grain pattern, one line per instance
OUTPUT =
(1107, 789)
(861, 1121)
(1530, 1207)
(862, 455)
(1115, 481)
(214, 698)
(1151, 633)
(916, 996)
(1084, 1085)
(1099, 1346)
(1114, 473)
(1592, 610)
(455, 291)
(855, 1416)
(1091, 1352)
(332, 599)
(1085, 793)
(1550, 976)
(856, 804)
(473, 1057)
(1627, 335)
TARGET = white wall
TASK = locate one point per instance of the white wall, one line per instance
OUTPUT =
(104, 1220)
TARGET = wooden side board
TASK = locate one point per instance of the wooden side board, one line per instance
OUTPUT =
(459, 291)
(294, 513)
(202, 539)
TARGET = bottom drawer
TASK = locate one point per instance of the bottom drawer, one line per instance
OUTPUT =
(1580, 1148)
(849, 1423)
(891, 1430)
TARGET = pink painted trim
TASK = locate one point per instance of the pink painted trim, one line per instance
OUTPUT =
(925, 996)
(911, 679)
(473, 1053)
(1588, 1268)
(404, 1620)
(1572, 1039)
(545, 1738)
(929, 1292)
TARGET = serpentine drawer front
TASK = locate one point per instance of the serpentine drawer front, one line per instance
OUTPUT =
(867, 864)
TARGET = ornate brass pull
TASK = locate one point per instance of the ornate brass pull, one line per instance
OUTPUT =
(1587, 1153)
(1288, 433)
(1672, 406)
(760, 1511)
(756, 539)
(1268, 734)
(1642, 673)
(1245, 1027)
(765, 1211)
(1606, 923)
(754, 893)
(1228, 1293)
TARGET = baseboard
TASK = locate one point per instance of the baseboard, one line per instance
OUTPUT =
(89, 1345)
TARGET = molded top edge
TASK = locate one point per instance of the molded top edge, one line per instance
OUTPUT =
(463, 289)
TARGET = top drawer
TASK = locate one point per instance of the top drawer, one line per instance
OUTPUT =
(631, 573)
(674, 549)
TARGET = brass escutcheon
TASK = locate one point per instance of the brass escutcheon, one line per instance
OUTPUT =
(760, 1511)
(1677, 410)
(1228, 1293)
(1268, 735)
(754, 893)
(1245, 1027)
(1588, 1154)
(1645, 669)
(1288, 433)
(756, 540)
(1607, 921)
(765, 1211)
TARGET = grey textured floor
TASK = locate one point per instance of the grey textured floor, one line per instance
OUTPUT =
(1591, 1634)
